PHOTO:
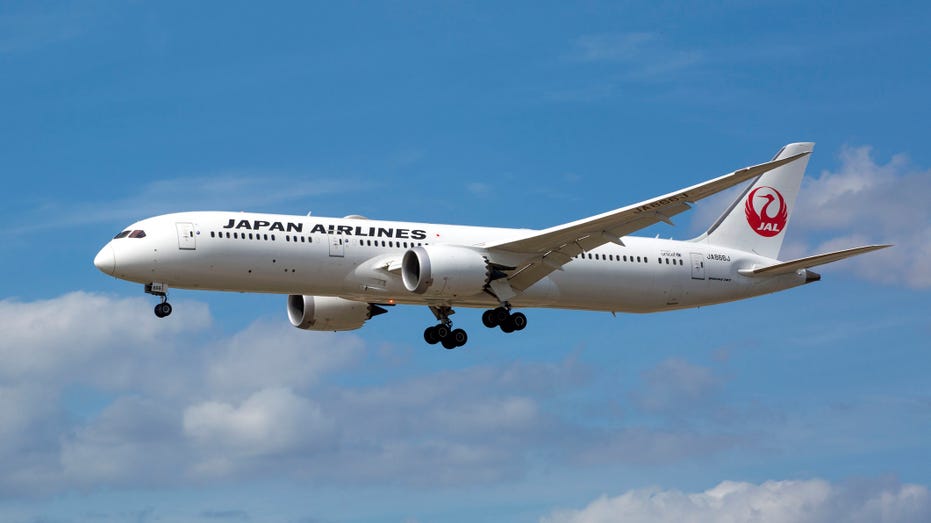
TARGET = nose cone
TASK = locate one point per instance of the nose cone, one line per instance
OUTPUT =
(105, 260)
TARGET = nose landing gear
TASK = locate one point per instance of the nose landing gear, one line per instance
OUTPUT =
(161, 290)
(163, 309)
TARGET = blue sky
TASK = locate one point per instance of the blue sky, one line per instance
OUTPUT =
(813, 403)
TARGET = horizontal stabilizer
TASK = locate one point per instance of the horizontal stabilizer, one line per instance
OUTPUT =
(810, 261)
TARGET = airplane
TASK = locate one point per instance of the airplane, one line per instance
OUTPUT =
(339, 273)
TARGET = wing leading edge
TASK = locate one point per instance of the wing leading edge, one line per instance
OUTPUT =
(552, 248)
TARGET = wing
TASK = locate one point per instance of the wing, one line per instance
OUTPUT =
(552, 248)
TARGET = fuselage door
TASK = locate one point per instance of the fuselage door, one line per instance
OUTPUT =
(186, 238)
(698, 266)
(337, 248)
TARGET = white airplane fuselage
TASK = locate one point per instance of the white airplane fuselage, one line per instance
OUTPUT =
(351, 258)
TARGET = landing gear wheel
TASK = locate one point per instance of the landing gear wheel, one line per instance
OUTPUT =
(518, 320)
(163, 309)
(459, 337)
(429, 335)
(442, 331)
(500, 315)
(488, 319)
(507, 326)
(449, 343)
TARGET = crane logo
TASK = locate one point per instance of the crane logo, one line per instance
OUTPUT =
(767, 212)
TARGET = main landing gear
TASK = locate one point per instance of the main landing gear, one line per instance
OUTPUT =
(503, 317)
(450, 338)
(444, 333)
(161, 290)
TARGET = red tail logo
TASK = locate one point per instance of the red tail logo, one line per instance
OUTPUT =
(763, 218)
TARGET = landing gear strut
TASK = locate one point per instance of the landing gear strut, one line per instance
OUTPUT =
(161, 290)
(503, 317)
(443, 332)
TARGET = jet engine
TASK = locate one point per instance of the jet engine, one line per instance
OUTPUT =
(445, 271)
(325, 313)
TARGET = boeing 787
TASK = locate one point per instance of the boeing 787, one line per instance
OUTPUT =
(338, 273)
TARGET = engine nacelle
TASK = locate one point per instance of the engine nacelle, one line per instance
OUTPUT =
(444, 271)
(325, 313)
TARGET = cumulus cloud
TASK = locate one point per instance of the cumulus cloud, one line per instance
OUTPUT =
(271, 422)
(865, 201)
(185, 404)
(46, 338)
(808, 501)
(133, 441)
(271, 354)
(176, 402)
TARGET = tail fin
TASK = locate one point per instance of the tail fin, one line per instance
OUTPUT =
(757, 220)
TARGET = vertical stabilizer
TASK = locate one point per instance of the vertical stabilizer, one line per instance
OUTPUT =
(757, 220)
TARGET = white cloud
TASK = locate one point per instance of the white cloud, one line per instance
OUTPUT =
(268, 354)
(676, 384)
(133, 441)
(173, 402)
(804, 501)
(181, 405)
(270, 422)
(65, 334)
(870, 202)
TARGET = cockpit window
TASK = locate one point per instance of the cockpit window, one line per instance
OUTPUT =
(121, 235)
(137, 234)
